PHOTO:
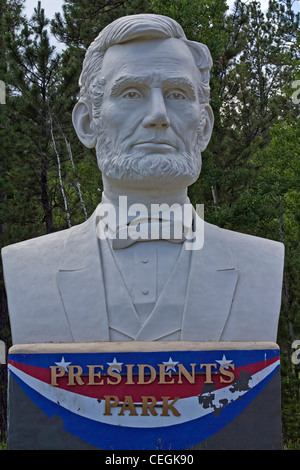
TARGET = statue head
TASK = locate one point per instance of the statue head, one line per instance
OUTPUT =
(144, 102)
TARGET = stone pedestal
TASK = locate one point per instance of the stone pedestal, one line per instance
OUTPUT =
(144, 395)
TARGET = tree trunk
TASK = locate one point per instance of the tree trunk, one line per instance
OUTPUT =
(44, 197)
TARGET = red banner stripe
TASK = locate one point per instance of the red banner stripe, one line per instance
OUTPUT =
(153, 389)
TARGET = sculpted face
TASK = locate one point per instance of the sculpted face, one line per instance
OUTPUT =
(151, 126)
(150, 114)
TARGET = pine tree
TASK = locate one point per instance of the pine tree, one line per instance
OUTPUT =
(32, 67)
(273, 201)
(252, 99)
(40, 100)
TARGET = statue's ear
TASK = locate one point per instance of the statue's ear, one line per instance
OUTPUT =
(82, 123)
(208, 127)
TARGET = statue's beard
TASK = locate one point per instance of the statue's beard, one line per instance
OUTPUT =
(147, 171)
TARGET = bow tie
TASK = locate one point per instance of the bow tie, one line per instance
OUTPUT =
(143, 230)
(173, 224)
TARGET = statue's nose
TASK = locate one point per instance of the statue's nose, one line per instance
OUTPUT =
(156, 115)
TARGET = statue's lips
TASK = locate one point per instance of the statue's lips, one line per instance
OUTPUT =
(156, 145)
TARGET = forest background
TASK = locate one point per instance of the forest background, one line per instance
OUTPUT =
(251, 170)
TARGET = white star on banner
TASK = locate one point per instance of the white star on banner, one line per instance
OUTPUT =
(63, 364)
(114, 363)
(171, 364)
(224, 361)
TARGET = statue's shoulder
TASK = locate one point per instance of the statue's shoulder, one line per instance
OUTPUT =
(30, 272)
(258, 263)
(51, 244)
(39, 254)
(250, 250)
(35, 248)
(250, 245)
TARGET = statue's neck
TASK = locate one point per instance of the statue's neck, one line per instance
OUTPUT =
(112, 194)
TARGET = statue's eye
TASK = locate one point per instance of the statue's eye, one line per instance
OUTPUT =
(176, 95)
(132, 95)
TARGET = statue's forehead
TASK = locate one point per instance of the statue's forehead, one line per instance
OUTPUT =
(155, 59)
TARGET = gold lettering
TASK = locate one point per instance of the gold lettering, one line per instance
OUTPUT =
(129, 374)
(208, 372)
(75, 376)
(227, 373)
(128, 405)
(141, 380)
(182, 370)
(169, 406)
(55, 374)
(116, 375)
(163, 373)
(109, 404)
(150, 406)
(93, 374)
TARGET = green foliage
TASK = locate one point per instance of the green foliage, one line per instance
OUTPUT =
(278, 187)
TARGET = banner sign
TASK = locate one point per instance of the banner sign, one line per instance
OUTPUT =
(170, 399)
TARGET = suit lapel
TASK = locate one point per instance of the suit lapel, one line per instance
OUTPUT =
(80, 281)
(210, 290)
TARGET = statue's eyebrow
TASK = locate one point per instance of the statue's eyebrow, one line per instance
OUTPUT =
(130, 80)
(182, 82)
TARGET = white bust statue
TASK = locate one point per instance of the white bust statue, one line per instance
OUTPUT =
(144, 105)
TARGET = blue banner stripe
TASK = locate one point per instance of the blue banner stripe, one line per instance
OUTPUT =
(238, 357)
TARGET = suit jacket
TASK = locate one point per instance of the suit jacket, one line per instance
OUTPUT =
(56, 292)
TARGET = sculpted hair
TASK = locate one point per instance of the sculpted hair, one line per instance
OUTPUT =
(129, 28)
